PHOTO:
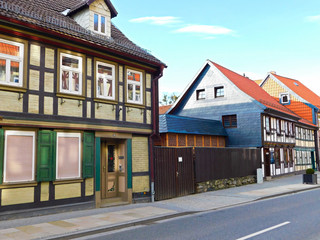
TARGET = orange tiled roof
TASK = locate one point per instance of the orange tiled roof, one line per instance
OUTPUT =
(164, 109)
(300, 89)
(254, 90)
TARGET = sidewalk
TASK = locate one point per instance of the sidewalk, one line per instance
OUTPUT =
(70, 223)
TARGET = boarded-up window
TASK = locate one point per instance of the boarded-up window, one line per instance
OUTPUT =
(190, 140)
(19, 156)
(214, 141)
(68, 155)
(182, 140)
(229, 121)
(199, 141)
(207, 141)
(172, 140)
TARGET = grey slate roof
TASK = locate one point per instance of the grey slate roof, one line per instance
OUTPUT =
(48, 14)
(178, 124)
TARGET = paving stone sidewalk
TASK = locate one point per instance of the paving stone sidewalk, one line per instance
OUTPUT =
(64, 224)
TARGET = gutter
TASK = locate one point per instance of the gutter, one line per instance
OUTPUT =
(155, 126)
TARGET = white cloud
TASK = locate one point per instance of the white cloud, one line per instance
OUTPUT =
(157, 20)
(313, 18)
(205, 29)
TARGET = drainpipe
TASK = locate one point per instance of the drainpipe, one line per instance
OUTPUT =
(155, 126)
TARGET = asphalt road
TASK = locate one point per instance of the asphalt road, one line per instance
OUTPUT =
(296, 216)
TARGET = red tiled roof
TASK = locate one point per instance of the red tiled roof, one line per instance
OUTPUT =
(300, 89)
(304, 121)
(164, 109)
(253, 90)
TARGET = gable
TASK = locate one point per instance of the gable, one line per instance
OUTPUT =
(100, 7)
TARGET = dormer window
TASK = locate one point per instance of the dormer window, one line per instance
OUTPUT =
(99, 23)
(284, 98)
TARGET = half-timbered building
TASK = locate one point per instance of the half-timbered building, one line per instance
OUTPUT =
(78, 106)
(250, 116)
(298, 98)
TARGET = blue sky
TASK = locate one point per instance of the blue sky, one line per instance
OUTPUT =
(251, 37)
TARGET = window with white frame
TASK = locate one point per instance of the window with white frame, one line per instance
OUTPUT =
(19, 156)
(11, 63)
(99, 23)
(134, 87)
(284, 98)
(267, 122)
(70, 74)
(68, 163)
(201, 94)
(218, 92)
(105, 80)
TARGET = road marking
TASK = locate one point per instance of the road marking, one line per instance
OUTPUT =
(263, 231)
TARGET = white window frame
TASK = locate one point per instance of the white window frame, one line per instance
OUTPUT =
(215, 91)
(105, 78)
(19, 133)
(9, 58)
(283, 95)
(71, 135)
(135, 83)
(71, 70)
(201, 94)
(99, 23)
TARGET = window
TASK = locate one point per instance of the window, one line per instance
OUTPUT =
(19, 156)
(201, 94)
(68, 162)
(268, 124)
(286, 126)
(99, 23)
(105, 74)
(134, 87)
(11, 63)
(277, 157)
(70, 74)
(284, 98)
(229, 121)
(278, 126)
(291, 129)
(218, 92)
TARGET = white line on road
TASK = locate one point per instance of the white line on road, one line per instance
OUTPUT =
(263, 231)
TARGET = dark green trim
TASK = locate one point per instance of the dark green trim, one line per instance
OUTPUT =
(1, 153)
(88, 155)
(98, 163)
(129, 162)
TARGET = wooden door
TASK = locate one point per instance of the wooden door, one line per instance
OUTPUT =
(266, 162)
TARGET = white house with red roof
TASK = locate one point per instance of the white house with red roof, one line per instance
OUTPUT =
(251, 117)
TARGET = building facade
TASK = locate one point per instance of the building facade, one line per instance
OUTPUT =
(250, 116)
(78, 109)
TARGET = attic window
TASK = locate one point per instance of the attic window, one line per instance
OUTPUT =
(201, 94)
(284, 98)
(218, 92)
(295, 83)
(99, 23)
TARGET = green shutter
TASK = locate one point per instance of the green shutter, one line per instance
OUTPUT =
(1, 153)
(88, 155)
(46, 156)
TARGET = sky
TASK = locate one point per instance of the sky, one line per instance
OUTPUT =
(251, 37)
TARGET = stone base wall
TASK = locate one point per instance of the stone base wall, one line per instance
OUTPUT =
(213, 185)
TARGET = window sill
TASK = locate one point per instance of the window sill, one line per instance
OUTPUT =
(135, 105)
(12, 88)
(102, 100)
(72, 96)
(17, 185)
(65, 181)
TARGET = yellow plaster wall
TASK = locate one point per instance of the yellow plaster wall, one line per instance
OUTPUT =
(70, 108)
(48, 105)
(34, 78)
(48, 82)
(49, 58)
(64, 191)
(148, 81)
(120, 93)
(120, 74)
(44, 194)
(135, 114)
(11, 103)
(88, 109)
(105, 111)
(33, 103)
(17, 196)
(149, 117)
(140, 184)
(148, 99)
(35, 55)
(140, 154)
(89, 67)
(89, 186)
(89, 88)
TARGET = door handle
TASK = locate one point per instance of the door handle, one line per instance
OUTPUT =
(104, 168)
(177, 173)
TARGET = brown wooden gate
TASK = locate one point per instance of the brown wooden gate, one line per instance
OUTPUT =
(174, 172)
